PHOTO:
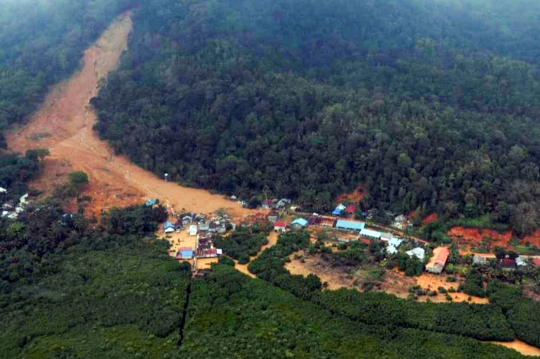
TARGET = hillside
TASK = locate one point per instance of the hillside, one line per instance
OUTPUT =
(431, 105)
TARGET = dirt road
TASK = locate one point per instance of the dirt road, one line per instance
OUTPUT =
(64, 125)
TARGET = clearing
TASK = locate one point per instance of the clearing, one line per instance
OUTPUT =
(67, 120)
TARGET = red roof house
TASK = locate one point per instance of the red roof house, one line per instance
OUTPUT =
(508, 263)
(350, 208)
(536, 262)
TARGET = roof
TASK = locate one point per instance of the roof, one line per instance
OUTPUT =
(395, 242)
(280, 224)
(268, 202)
(212, 251)
(183, 249)
(391, 250)
(536, 262)
(358, 226)
(521, 261)
(440, 256)
(336, 212)
(507, 262)
(351, 208)
(273, 214)
(300, 221)
(370, 233)
(418, 252)
(168, 225)
(386, 236)
(151, 202)
(340, 207)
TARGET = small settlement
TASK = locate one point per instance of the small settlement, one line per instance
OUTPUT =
(12, 209)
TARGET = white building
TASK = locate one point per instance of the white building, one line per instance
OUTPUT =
(193, 230)
(417, 252)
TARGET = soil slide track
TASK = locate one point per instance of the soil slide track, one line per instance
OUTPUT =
(64, 125)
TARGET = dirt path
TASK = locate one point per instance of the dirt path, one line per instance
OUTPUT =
(64, 125)
(272, 240)
(521, 347)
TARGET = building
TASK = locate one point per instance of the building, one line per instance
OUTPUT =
(268, 204)
(280, 226)
(418, 252)
(273, 216)
(282, 203)
(169, 227)
(391, 250)
(184, 253)
(521, 261)
(386, 236)
(438, 261)
(343, 240)
(400, 221)
(368, 233)
(351, 209)
(300, 223)
(536, 262)
(204, 227)
(337, 211)
(508, 263)
(350, 226)
(186, 220)
(151, 202)
(480, 260)
(395, 242)
(193, 230)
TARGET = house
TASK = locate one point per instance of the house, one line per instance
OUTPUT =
(350, 226)
(391, 250)
(273, 216)
(184, 253)
(151, 202)
(386, 236)
(536, 262)
(282, 203)
(204, 227)
(233, 198)
(328, 222)
(268, 203)
(480, 260)
(280, 226)
(168, 227)
(200, 217)
(186, 220)
(395, 242)
(417, 252)
(438, 261)
(521, 261)
(299, 223)
(23, 200)
(343, 240)
(368, 233)
(193, 230)
(3, 190)
(350, 209)
(9, 205)
(508, 263)
(400, 221)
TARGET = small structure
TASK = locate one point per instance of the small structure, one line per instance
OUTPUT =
(508, 263)
(343, 240)
(233, 198)
(300, 223)
(204, 227)
(184, 253)
(438, 261)
(400, 221)
(200, 217)
(417, 252)
(151, 202)
(186, 220)
(351, 209)
(391, 250)
(280, 226)
(192, 230)
(23, 200)
(536, 262)
(480, 260)
(282, 203)
(521, 261)
(273, 216)
(169, 227)
(3, 190)
(327, 222)
(395, 242)
(386, 236)
(350, 226)
(368, 233)
(268, 203)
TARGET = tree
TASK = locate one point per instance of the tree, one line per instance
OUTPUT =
(78, 179)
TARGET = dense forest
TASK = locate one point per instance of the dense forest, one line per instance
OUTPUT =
(41, 43)
(432, 105)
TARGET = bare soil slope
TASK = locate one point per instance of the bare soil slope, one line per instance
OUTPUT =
(64, 126)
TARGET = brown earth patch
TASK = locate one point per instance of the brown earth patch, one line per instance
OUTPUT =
(64, 125)
(355, 196)
(474, 236)
(429, 219)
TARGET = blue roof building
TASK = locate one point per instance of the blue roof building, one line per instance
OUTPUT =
(151, 202)
(336, 212)
(300, 222)
(350, 225)
(185, 253)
